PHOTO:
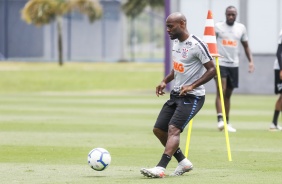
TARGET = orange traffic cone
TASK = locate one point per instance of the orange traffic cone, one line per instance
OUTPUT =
(209, 35)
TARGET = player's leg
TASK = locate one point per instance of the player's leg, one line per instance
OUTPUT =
(172, 136)
(161, 135)
(278, 105)
(278, 108)
(184, 165)
(178, 154)
(227, 101)
(191, 105)
(161, 132)
(223, 75)
(220, 123)
(161, 126)
(232, 82)
(217, 100)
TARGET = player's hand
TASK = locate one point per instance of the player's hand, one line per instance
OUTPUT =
(185, 89)
(251, 67)
(160, 88)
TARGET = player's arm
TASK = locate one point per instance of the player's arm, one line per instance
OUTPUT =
(207, 76)
(249, 55)
(279, 58)
(162, 85)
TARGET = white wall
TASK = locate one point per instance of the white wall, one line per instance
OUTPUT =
(263, 27)
(196, 13)
(263, 19)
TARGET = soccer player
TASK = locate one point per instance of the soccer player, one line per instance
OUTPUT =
(192, 67)
(229, 34)
(278, 85)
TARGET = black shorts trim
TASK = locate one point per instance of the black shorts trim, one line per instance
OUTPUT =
(277, 82)
(178, 111)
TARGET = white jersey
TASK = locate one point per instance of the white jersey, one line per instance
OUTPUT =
(188, 59)
(276, 64)
(228, 40)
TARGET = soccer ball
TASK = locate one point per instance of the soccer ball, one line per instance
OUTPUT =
(99, 159)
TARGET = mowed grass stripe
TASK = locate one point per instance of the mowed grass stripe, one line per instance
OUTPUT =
(86, 139)
(111, 111)
(83, 100)
(130, 105)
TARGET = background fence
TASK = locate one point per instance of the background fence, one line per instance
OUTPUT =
(112, 38)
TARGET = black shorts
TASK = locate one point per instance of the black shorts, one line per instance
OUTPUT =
(179, 110)
(231, 74)
(277, 82)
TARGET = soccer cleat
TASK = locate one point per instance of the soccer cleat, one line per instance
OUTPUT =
(156, 172)
(220, 126)
(275, 128)
(183, 167)
(230, 128)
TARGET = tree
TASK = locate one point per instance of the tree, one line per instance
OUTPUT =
(41, 12)
(133, 8)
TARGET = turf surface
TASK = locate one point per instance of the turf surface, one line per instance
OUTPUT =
(51, 117)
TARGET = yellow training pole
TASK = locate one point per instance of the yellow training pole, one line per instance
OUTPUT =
(188, 138)
(223, 109)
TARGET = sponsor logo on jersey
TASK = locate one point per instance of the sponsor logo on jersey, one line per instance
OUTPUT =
(178, 66)
(231, 43)
(177, 51)
(184, 52)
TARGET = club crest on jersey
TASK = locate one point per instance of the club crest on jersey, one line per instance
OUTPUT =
(184, 52)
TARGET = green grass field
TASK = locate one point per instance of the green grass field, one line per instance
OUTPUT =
(51, 117)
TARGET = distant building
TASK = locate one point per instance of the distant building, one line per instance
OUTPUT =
(102, 40)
